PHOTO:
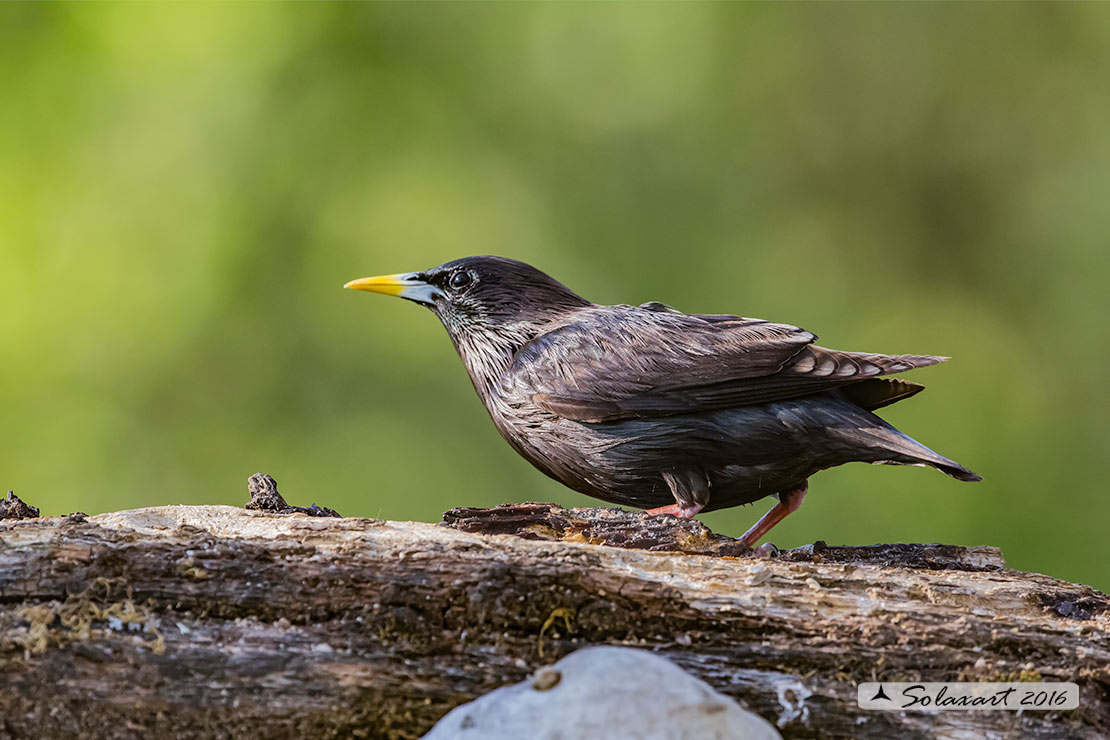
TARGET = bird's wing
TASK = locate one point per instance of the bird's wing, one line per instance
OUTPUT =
(621, 362)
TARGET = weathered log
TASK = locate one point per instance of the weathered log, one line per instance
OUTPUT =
(205, 622)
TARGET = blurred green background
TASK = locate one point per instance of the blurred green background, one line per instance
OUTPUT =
(185, 187)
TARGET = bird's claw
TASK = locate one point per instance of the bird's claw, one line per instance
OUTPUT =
(766, 550)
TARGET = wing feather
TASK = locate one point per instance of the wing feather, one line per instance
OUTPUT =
(620, 362)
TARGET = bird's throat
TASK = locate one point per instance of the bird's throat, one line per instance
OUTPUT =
(488, 354)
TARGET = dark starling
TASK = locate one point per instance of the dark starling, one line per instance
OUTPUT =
(650, 407)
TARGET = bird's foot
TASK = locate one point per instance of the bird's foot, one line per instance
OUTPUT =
(767, 550)
(682, 512)
(789, 501)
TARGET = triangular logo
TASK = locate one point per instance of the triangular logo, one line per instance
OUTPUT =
(880, 694)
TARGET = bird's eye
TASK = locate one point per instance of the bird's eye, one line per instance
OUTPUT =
(460, 279)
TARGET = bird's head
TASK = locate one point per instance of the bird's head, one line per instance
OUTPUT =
(489, 305)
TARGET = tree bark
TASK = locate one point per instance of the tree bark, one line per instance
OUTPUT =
(215, 622)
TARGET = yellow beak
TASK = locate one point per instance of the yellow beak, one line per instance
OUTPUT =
(403, 284)
(387, 284)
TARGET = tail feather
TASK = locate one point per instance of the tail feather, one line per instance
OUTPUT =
(892, 447)
(954, 469)
(875, 393)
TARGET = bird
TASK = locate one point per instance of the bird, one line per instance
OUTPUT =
(648, 407)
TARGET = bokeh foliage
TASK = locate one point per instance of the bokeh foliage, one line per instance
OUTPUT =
(184, 188)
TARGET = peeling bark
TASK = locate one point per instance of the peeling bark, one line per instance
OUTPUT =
(204, 622)
(13, 507)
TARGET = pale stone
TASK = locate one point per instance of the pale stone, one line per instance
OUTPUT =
(605, 693)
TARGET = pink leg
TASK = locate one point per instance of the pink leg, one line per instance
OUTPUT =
(682, 512)
(789, 501)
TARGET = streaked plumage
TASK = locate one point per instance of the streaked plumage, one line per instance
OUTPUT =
(647, 406)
